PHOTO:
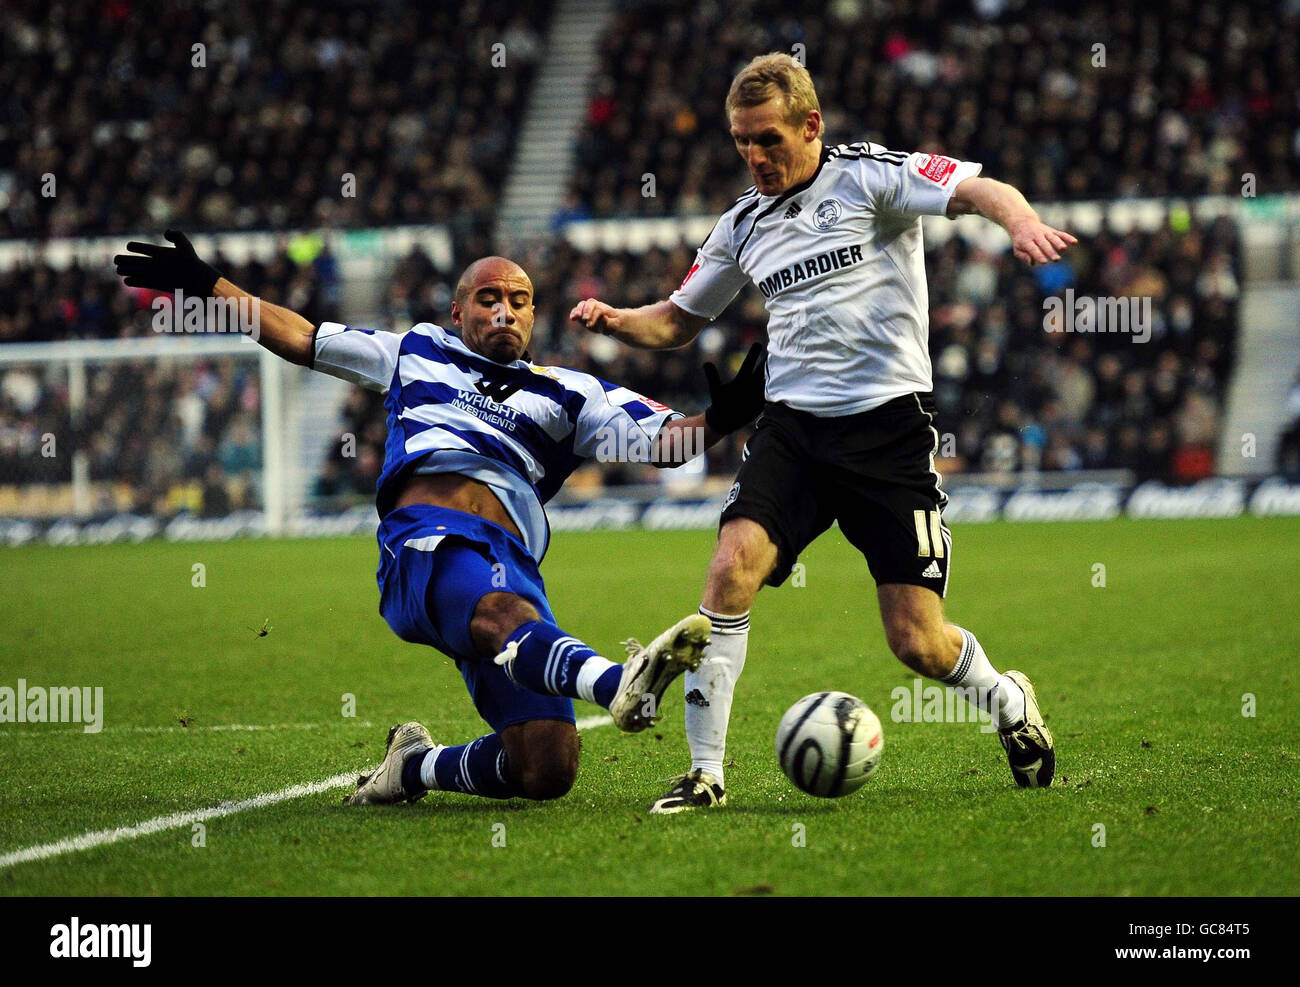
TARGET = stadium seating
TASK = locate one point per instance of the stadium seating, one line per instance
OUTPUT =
(287, 101)
(1014, 396)
(1014, 87)
(1021, 88)
(160, 439)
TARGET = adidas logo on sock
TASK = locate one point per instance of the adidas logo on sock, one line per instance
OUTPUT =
(932, 571)
(696, 698)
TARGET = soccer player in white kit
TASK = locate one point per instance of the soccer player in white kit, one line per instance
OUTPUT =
(831, 236)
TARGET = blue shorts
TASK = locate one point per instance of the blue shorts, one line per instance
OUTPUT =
(435, 564)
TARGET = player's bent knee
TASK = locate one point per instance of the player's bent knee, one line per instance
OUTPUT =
(543, 757)
(496, 617)
(914, 628)
(549, 780)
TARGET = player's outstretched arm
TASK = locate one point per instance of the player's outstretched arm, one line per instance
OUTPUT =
(281, 330)
(1032, 240)
(681, 440)
(179, 268)
(661, 326)
(733, 404)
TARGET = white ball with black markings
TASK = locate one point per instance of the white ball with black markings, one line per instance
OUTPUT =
(829, 744)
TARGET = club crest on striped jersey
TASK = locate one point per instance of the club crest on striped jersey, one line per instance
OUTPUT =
(828, 213)
(498, 390)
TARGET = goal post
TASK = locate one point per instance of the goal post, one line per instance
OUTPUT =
(58, 388)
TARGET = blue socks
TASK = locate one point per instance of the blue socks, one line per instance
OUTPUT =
(412, 783)
(542, 658)
(477, 768)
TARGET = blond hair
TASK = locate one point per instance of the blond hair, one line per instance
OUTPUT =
(772, 76)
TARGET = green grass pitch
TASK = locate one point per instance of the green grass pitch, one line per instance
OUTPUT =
(1142, 681)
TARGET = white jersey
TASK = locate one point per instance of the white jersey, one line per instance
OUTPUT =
(840, 263)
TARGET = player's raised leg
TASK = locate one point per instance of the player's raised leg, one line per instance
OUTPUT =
(539, 656)
(924, 642)
(890, 507)
(465, 587)
(533, 751)
(483, 600)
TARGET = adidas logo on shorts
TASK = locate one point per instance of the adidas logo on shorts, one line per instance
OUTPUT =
(932, 571)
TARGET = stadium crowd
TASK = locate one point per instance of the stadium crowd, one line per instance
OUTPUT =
(1012, 395)
(249, 115)
(1098, 100)
(159, 437)
(139, 138)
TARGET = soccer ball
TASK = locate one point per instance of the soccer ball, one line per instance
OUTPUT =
(829, 744)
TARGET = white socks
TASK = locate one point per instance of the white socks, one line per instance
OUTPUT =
(427, 777)
(986, 688)
(709, 691)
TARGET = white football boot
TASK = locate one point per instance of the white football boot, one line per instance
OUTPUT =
(649, 670)
(384, 784)
(1031, 752)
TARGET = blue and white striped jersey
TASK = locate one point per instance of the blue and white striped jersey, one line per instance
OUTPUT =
(520, 428)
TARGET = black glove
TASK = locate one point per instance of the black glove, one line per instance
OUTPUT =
(167, 268)
(736, 403)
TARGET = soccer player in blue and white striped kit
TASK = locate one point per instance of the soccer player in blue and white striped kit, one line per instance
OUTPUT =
(479, 439)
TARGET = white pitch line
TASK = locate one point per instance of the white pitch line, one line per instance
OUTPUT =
(179, 820)
(216, 728)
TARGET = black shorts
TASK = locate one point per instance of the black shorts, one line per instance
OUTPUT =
(872, 472)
